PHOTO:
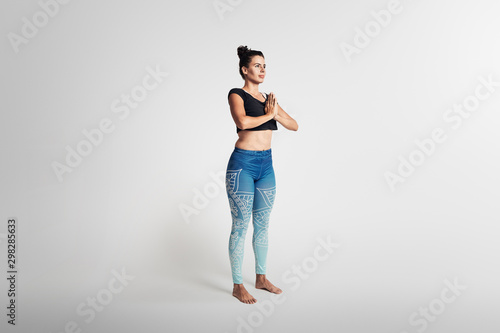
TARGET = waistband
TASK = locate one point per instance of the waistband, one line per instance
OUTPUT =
(253, 152)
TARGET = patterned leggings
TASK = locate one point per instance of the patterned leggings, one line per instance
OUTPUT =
(251, 187)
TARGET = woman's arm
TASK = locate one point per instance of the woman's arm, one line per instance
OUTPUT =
(284, 119)
(239, 116)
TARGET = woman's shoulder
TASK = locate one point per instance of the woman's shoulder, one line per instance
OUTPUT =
(238, 91)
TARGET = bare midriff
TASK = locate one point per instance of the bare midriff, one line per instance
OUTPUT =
(254, 140)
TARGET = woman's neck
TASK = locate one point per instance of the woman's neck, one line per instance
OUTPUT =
(251, 87)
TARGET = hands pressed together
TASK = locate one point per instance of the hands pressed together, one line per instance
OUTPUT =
(271, 105)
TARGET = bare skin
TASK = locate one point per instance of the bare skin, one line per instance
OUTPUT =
(242, 294)
(261, 282)
(257, 140)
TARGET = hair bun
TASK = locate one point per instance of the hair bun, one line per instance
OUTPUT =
(242, 50)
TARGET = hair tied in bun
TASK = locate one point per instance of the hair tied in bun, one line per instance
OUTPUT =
(245, 54)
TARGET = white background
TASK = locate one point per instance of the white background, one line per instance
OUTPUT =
(120, 208)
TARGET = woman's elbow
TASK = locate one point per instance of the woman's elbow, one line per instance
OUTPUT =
(242, 124)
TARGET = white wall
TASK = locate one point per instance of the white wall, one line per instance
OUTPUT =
(361, 102)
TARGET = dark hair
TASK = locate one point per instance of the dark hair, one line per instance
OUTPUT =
(246, 56)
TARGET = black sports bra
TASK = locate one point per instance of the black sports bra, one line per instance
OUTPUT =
(254, 108)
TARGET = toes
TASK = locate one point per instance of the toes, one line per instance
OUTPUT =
(276, 290)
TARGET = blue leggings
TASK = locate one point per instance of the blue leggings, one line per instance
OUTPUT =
(251, 187)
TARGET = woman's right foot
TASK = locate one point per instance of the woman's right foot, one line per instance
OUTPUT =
(242, 294)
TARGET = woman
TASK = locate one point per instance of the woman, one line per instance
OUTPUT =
(250, 181)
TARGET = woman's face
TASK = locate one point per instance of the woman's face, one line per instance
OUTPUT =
(256, 70)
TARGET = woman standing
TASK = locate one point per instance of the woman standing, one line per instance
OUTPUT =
(250, 181)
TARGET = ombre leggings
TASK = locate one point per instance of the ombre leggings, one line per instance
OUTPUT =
(251, 187)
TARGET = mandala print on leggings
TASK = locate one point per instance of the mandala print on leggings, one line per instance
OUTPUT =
(241, 203)
(261, 224)
(261, 215)
(241, 209)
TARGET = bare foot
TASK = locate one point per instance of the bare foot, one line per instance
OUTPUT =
(242, 294)
(263, 283)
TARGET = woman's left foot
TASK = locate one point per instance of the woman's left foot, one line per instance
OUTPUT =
(263, 283)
